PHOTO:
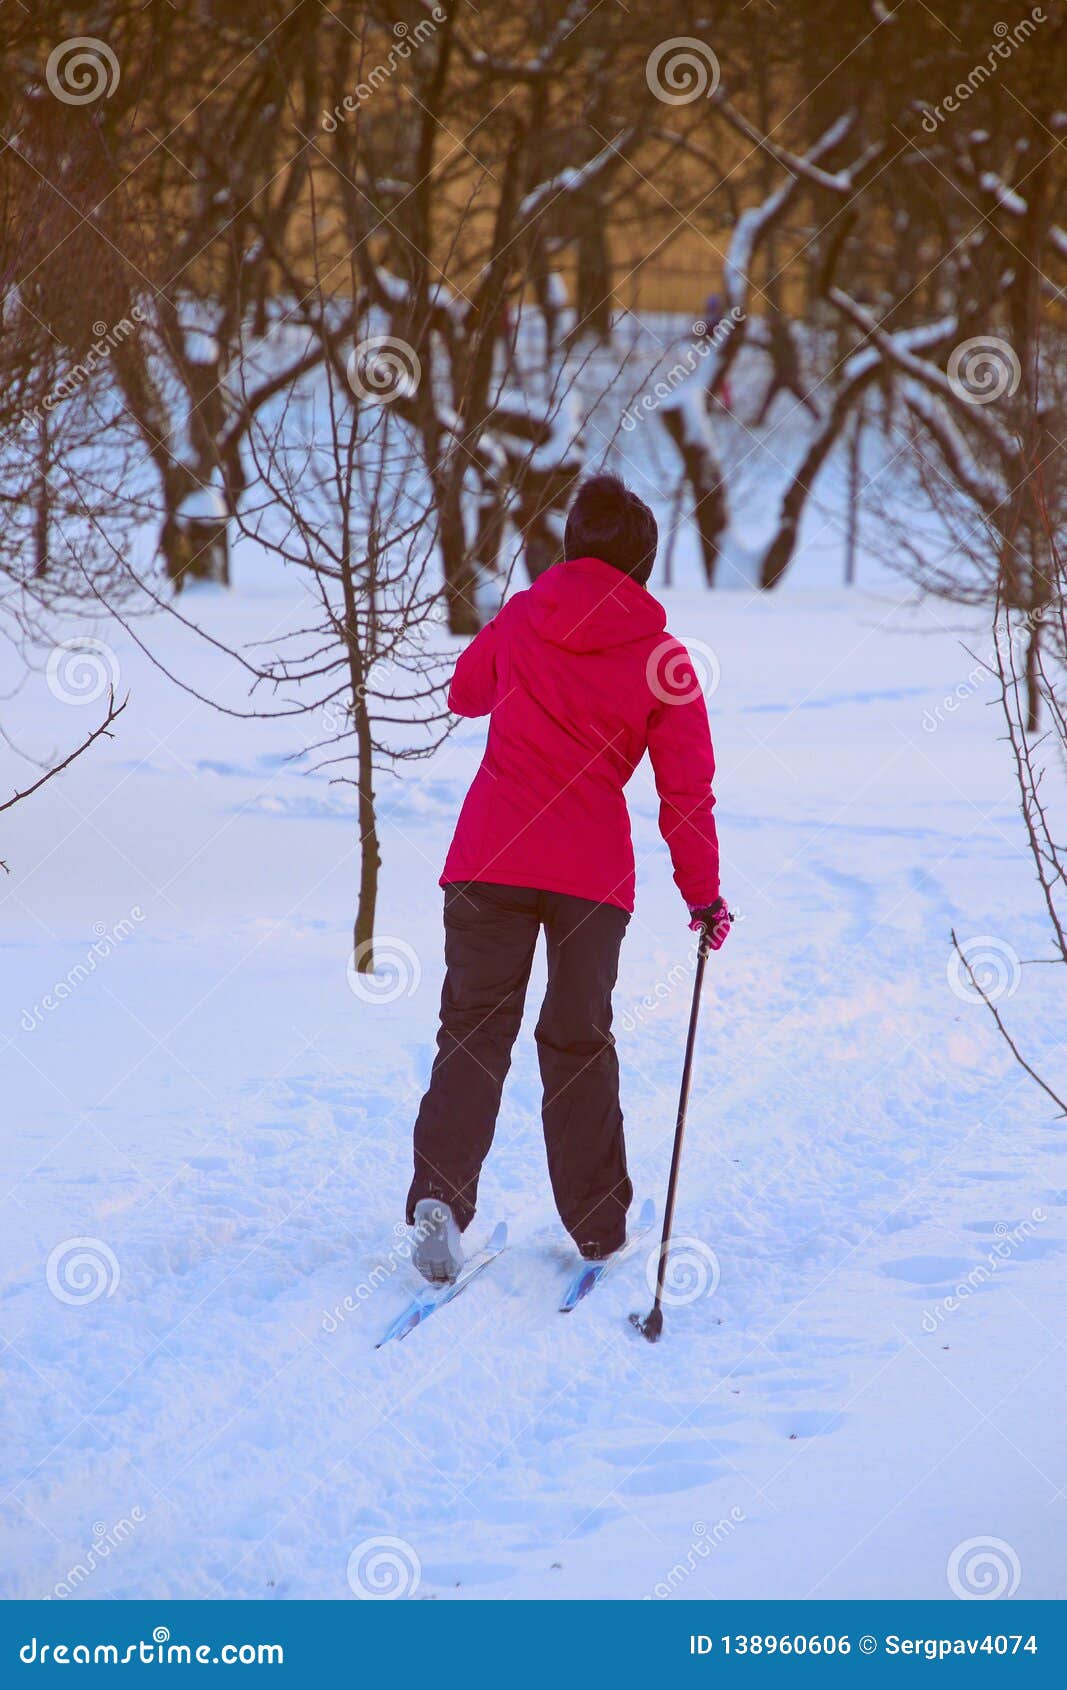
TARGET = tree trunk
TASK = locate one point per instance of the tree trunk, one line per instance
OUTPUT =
(42, 514)
(543, 498)
(491, 520)
(461, 576)
(705, 477)
(1033, 676)
(370, 854)
(779, 553)
(854, 471)
(370, 857)
(196, 548)
(593, 314)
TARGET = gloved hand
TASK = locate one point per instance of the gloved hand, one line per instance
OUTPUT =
(714, 920)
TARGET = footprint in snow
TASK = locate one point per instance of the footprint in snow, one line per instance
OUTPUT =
(664, 1481)
(698, 1451)
(1035, 1249)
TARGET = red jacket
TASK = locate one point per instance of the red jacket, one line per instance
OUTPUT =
(580, 678)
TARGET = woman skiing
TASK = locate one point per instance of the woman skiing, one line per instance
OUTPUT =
(579, 678)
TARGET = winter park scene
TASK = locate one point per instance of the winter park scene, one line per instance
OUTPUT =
(534, 807)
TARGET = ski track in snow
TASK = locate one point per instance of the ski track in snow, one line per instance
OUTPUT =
(216, 1107)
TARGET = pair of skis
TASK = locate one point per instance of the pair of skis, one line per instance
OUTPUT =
(589, 1275)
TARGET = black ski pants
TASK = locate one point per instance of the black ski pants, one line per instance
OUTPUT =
(490, 935)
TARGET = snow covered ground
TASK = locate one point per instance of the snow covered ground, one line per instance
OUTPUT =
(860, 1387)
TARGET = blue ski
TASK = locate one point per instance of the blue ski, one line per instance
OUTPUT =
(591, 1273)
(429, 1301)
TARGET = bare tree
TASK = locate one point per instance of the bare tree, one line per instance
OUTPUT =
(58, 483)
(337, 498)
(101, 731)
(445, 241)
(1035, 760)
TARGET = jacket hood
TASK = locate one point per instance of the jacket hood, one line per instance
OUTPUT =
(587, 605)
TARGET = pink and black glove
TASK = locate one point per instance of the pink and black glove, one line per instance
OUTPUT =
(714, 920)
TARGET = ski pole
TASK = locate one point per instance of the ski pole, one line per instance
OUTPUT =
(652, 1324)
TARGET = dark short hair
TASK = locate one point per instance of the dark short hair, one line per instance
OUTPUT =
(609, 521)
